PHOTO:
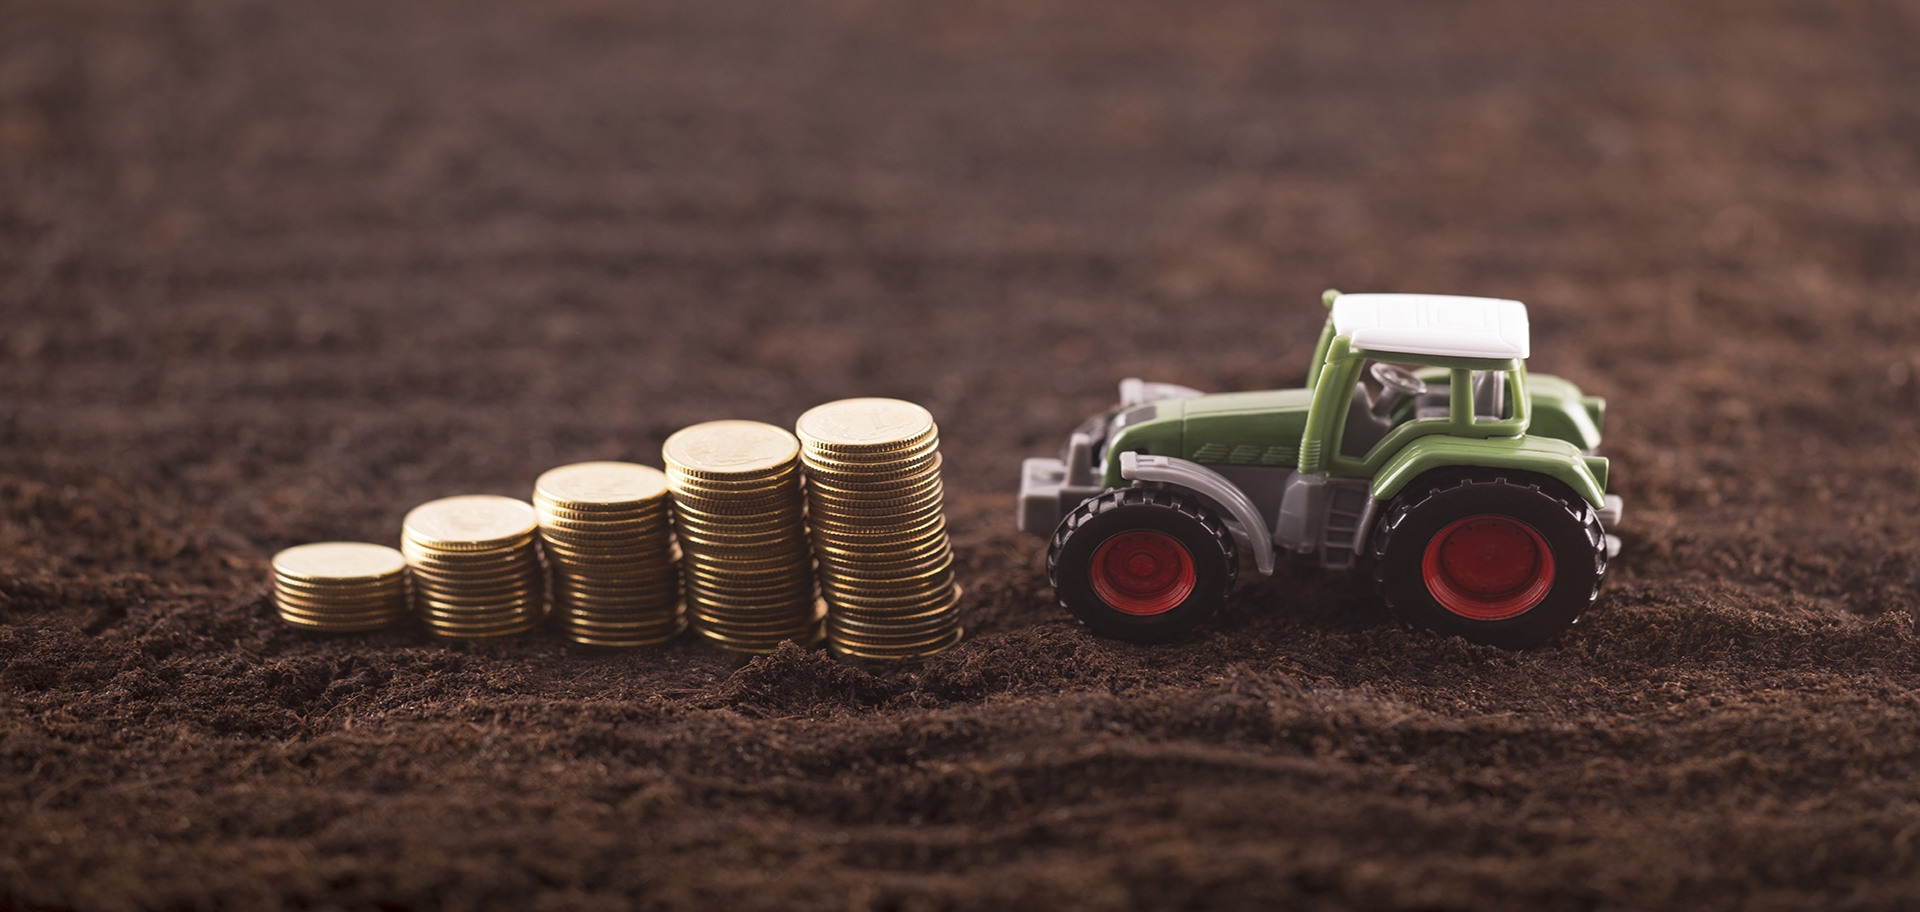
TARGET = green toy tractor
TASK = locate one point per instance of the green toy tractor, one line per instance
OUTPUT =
(1421, 445)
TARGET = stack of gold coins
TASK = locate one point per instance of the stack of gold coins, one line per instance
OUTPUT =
(741, 520)
(608, 535)
(340, 587)
(873, 503)
(476, 568)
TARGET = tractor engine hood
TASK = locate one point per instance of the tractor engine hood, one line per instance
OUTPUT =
(1260, 428)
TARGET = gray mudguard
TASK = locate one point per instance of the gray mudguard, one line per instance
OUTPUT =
(1247, 524)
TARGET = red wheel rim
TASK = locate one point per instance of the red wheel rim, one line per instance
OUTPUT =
(1488, 568)
(1142, 573)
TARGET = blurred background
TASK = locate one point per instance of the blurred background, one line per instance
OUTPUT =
(296, 266)
(277, 272)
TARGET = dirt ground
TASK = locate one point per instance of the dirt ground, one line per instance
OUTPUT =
(273, 273)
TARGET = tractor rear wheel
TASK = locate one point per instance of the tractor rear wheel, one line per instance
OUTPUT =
(1145, 565)
(1504, 558)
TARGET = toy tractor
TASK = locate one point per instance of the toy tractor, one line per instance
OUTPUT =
(1421, 445)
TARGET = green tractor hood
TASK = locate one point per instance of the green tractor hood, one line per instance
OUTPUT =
(1254, 428)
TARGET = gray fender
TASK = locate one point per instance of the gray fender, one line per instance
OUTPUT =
(1250, 529)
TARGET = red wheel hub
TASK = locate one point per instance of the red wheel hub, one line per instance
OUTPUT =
(1488, 568)
(1142, 573)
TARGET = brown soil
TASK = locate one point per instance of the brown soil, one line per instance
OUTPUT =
(274, 273)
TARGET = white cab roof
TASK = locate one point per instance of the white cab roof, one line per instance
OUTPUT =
(1444, 325)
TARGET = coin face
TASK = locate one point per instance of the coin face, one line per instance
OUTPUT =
(602, 483)
(865, 422)
(731, 447)
(470, 518)
(339, 561)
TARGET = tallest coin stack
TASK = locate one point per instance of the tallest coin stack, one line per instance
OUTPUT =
(874, 509)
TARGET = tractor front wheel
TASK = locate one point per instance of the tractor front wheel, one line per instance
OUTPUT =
(1502, 558)
(1142, 564)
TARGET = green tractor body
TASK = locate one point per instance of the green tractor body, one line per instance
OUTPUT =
(1314, 472)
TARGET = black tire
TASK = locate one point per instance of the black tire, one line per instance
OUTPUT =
(1491, 520)
(1114, 564)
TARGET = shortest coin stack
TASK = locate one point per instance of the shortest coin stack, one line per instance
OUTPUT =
(340, 587)
(608, 534)
(476, 569)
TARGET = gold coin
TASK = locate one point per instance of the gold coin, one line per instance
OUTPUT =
(798, 565)
(470, 522)
(330, 613)
(789, 617)
(862, 492)
(769, 603)
(659, 575)
(887, 565)
(887, 609)
(840, 631)
(773, 598)
(394, 588)
(693, 537)
(797, 614)
(322, 626)
(485, 632)
(703, 495)
(791, 508)
(625, 601)
(481, 588)
(865, 528)
(551, 524)
(891, 464)
(859, 651)
(653, 544)
(861, 511)
(339, 606)
(790, 549)
(718, 449)
(424, 575)
(863, 424)
(613, 574)
(652, 624)
(434, 565)
(601, 485)
(926, 636)
(650, 546)
(482, 623)
(339, 562)
(815, 452)
(585, 638)
(552, 518)
(789, 505)
(588, 585)
(657, 630)
(929, 546)
(471, 557)
(936, 605)
(339, 612)
(809, 631)
(611, 616)
(838, 590)
(870, 493)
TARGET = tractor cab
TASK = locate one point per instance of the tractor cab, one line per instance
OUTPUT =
(1391, 368)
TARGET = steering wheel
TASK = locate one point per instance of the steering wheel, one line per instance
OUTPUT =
(1396, 384)
(1398, 379)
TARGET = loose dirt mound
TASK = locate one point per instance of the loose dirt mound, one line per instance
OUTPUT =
(273, 273)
